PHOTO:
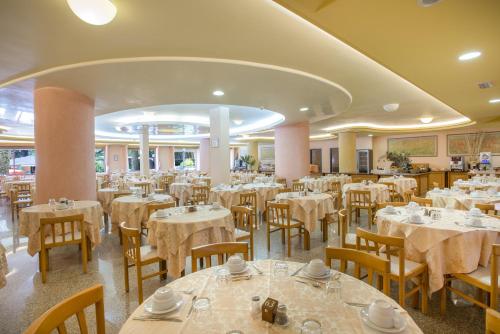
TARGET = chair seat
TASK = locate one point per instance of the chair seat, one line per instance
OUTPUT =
(149, 254)
(363, 206)
(481, 275)
(59, 238)
(411, 267)
(241, 234)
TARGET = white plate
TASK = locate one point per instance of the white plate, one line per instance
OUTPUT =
(327, 274)
(148, 306)
(238, 272)
(422, 222)
(366, 320)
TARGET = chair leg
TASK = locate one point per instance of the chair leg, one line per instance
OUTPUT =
(163, 266)
(268, 237)
(324, 223)
(139, 281)
(125, 272)
(289, 242)
(442, 302)
(84, 255)
(425, 289)
(283, 237)
(252, 255)
(43, 259)
(402, 293)
(120, 236)
(89, 249)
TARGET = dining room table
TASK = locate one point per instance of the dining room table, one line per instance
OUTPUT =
(483, 184)
(323, 183)
(230, 308)
(401, 183)
(133, 210)
(175, 231)
(445, 239)
(229, 195)
(182, 191)
(4, 268)
(106, 195)
(29, 221)
(309, 208)
(462, 200)
(379, 192)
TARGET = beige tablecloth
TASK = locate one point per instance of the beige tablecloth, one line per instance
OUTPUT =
(182, 191)
(473, 184)
(459, 200)
(445, 246)
(230, 307)
(29, 221)
(4, 269)
(106, 195)
(323, 183)
(308, 209)
(379, 192)
(174, 236)
(402, 184)
(133, 210)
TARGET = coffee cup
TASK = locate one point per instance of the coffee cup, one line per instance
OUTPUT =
(235, 264)
(382, 314)
(415, 218)
(476, 221)
(163, 299)
(475, 212)
(316, 267)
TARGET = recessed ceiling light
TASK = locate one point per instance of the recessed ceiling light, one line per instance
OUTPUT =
(494, 101)
(469, 55)
(304, 109)
(237, 121)
(370, 135)
(426, 120)
(390, 107)
(427, 3)
(218, 93)
(95, 12)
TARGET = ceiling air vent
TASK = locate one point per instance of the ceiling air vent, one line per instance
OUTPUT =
(427, 3)
(484, 85)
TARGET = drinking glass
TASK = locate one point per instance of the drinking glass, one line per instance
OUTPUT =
(333, 291)
(310, 326)
(71, 203)
(223, 277)
(280, 269)
(52, 202)
(435, 215)
(202, 309)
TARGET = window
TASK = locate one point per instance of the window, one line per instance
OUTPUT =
(185, 159)
(100, 165)
(133, 160)
(152, 160)
(19, 162)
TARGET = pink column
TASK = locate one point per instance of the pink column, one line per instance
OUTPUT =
(65, 144)
(205, 155)
(165, 158)
(291, 151)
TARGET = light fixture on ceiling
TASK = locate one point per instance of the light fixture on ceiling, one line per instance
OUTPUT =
(370, 135)
(492, 101)
(426, 120)
(304, 109)
(237, 121)
(391, 107)
(218, 93)
(469, 55)
(427, 3)
(95, 12)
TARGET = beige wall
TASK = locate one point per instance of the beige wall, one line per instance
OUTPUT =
(441, 161)
(116, 158)
(164, 158)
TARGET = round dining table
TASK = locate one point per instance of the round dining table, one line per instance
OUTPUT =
(448, 244)
(133, 210)
(479, 184)
(323, 183)
(230, 306)
(29, 221)
(401, 183)
(4, 269)
(228, 196)
(379, 192)
(177, 231)
(461, 200)
(105, 196)
(182, 191)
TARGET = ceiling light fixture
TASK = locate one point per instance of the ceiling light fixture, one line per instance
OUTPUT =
(390, 107)
(237, 121)
(95, 12)
(218, 93)
(494, 101)
(370, 135)
(2, 111)
(469, 55)
(426, 120)
(304, 109)
(427, 3)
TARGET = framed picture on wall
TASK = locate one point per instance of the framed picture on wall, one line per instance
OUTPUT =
(473, 143)
(423, 146)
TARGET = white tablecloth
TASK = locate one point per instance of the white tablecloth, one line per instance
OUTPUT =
(323, 183)
(402, 184)
(459, 200)
(174, 236)
(231, 307)
(495, 186)
(379, 192)
(106, 195)
(29, 221)
(182, 191)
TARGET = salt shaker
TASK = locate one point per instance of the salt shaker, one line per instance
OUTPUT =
(256, 307)
(281, 316)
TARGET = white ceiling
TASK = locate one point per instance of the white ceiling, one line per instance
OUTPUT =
(178, 52)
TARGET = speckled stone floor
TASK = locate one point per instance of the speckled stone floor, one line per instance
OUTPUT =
(25, 297)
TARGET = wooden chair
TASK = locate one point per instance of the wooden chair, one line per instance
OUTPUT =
(298, 186)
(279, 216)
(408, 194)
(284, 190)
(136, 255)
(55, 317)
(281, 180)
(145, 187)
(335, 189)
(422, 201)
(200, 195)
(347, 240)
(59, 232)
(402, 270)
(243, 218)
(153, 207)
(483, 278)
(18, 202)
(393, 194)
(486, 208)
(435, 184)
(121, 194)
(358, 200)
(223, 250)
(394, 204)
(371, 263)
(492, 321)
(250, 199)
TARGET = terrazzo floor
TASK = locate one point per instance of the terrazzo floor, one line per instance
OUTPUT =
(25, 298)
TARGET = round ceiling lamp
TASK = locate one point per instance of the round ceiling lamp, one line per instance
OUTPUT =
(391, 107)
(427, 3)
(95, 12)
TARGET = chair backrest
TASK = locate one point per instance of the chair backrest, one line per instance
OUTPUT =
(281, 180)
(486, 208)
(369, 241)
(422, 201)
(435, 184)
(58, 231)
(284, 190)
(298, 186)
(492, 321)
(408, 194)
(384, 204)
(145, 186)
(371, 263)
(278, 213)
(359, 198)
(105, 184)
(344, 229)
(335, 187)
(249, 198)
(153, 207)
(200, 194)
(55, 317)
(123, 194)
(131, 242)
(390, 185)
(243, 218)
(222, 250)
(22, 188)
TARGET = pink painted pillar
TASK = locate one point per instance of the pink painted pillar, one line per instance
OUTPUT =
(65, 144)
(291, 151)
(205, 155)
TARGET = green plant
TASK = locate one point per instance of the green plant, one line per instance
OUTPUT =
(400, 159)
(4, 162)
(248, 160)
(187, 163)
